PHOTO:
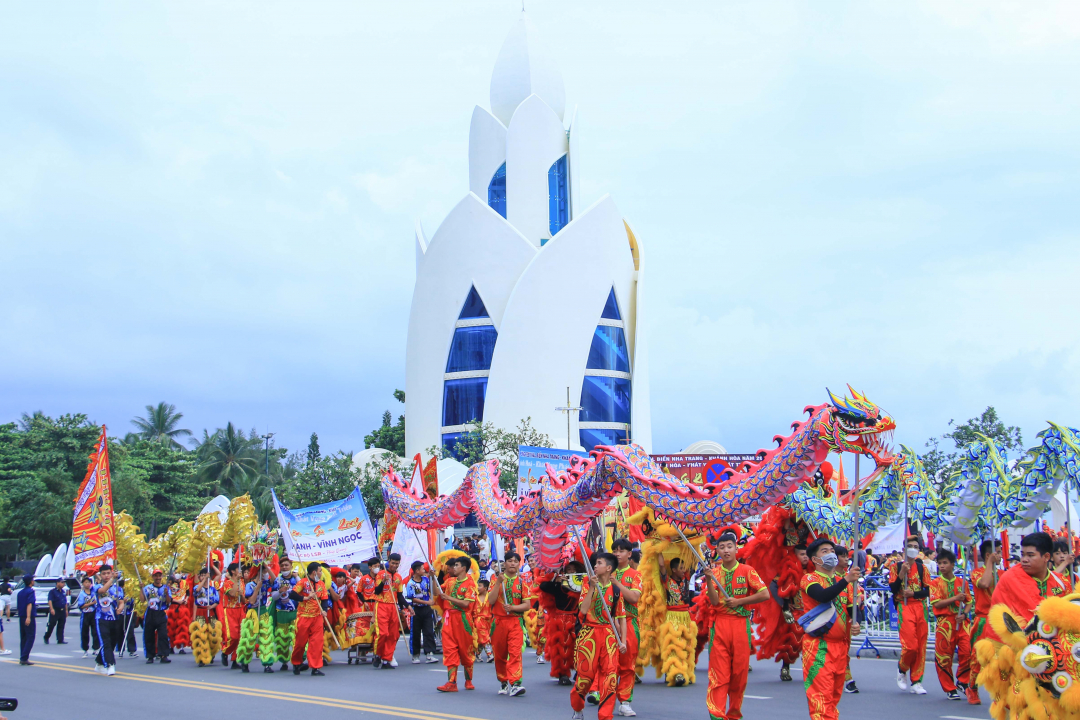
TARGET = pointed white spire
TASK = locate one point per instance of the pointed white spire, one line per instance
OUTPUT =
(524, 68)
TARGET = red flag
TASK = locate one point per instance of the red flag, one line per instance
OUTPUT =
(92, 531)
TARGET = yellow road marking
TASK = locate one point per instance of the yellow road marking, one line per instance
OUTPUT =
(269, 694)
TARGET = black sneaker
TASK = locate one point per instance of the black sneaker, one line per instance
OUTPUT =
(785, 674)
(225, 660)
(164, 660)
(296, 669)
(316, 672)
(593, 698)
(284, 666)
(235, 665)
(376, 662)
(244, 668)
(303, 667)
(267, 669)
(851, 687)
(952, 695)
(149, 661)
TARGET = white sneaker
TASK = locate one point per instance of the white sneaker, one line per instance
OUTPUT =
(902, 681)
(86, 653)
(8, 652)
(133, 653)
(625, 710)
(539, 659)
(917, 689)
(578, 716)
(99, 668)
(415, 659)
(393, 662)
(504, 688)
(111, 671)
(516, 690)
(432, 659)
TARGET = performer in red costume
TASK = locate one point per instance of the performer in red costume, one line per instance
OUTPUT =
(826, 642)
(629, 582)
(232, 613)
(597, 651)
(1027, 583)
(509, 598)
(387, 593)
(949, 598)
(983, 580)
(310, 595)
(909, 582)
(457, 596)
(559, 599)
(179, 616)
(731, 588)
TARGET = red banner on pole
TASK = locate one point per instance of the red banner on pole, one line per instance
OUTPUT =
(92, 532)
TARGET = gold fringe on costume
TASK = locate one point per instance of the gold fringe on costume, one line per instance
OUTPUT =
(205, 640)
(678, 642)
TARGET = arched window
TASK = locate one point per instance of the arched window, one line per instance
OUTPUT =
(558, 198)
(467, 366)
(605, 392)
(497, 191)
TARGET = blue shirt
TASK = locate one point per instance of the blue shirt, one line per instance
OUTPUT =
(107, 603)
(266, 587)
(284, 604)
(84, 598)
(25, 601)
(59, 599)
(205, 597)
(418, 589)
(157, 598)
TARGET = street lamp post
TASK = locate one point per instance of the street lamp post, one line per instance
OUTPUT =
(267, 437)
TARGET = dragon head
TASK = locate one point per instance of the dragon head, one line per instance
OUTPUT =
(856, 425)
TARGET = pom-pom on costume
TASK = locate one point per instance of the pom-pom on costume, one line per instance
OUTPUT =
(179, 616)
(559, 602)
(205, 630)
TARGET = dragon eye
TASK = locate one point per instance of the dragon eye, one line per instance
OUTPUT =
(1061, 681)
(1047, 630)
(1076, 652)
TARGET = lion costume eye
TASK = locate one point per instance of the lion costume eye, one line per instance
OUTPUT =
(1061, 681)
(1076, 652)
(1047, 630)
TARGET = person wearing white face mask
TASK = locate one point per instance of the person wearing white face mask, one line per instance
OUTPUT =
(909, 582)
(825, 623)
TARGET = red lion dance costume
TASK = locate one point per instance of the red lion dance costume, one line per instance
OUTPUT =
(178, 616)
(771, 552)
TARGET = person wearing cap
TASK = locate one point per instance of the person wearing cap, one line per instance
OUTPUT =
(311, 597)
(25, 602)
(825, 621)
(58, 612)
(731, 588)
(156, 621)
(110, 607)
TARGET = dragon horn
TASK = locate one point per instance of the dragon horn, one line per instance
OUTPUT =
(842, 404)
(855, 393)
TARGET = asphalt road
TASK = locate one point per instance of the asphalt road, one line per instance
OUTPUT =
(62, 683)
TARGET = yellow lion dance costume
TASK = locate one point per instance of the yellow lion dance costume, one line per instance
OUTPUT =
(1034, 673)
(668, 638)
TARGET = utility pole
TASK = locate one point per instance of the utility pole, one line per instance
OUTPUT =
(267, 437)
(568, 409)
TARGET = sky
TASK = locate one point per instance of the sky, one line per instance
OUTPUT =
(213, 204)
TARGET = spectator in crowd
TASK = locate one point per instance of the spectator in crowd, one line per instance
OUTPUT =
(5, 611)
(58, 612)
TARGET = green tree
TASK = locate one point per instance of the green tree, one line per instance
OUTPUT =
(228, 457)
(155, 482)
(485, 441)
(160, 425)
(940, 463)
(328, 478)
(389, 436)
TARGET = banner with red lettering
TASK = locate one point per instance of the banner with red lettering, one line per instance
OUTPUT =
(92, 532)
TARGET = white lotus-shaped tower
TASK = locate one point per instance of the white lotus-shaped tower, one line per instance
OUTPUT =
(522, 293)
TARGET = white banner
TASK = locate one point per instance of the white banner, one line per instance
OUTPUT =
(888, 538)
(336, 533)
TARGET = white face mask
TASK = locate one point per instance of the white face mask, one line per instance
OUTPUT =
(912, 553)
(829, 561)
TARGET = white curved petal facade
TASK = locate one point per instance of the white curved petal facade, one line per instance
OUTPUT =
(518, 295)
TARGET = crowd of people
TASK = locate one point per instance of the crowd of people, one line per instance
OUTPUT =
(588, 612)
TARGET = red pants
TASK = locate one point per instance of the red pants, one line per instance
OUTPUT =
(458, 642)
(729, 663)
(978, 627)
(950, 636)
(627, 663)
(389, 630)
(559, 645)
(824, 663)
(309, 632)
(914, 632)
(231, 631)
(506, 640)
(596, 657)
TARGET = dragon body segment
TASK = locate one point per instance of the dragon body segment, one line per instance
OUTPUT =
(573, 497)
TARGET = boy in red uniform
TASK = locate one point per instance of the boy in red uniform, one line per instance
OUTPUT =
(484, 621)
(310, 596)
(731, 588)
(825, 645)
(458, 597)
(628, 581)
(233, 605)
(508, 599)
(597, 651)
(909, 582)
(983, 579)
(387, 593)
(949, 598)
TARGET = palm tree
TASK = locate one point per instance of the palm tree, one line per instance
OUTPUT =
(160, 425)
(228, 457)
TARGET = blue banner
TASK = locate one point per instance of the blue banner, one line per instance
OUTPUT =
(337, 533)
(532, 463)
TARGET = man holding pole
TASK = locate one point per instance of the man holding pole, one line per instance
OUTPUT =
(387, 597)
(508, 598)
(155, 621)
(909, 582)
(599, 642)
(457, 595)
(232, 592)
(948, 598)
(309, 594)
(629, 582)
(110, 605)
(731, 587)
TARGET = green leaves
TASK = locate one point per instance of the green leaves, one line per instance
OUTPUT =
(941, 464)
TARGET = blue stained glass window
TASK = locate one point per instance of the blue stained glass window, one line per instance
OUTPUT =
(605, 399)
(611, 309)
(463, 400)
(450, 443)
(474, 306)
(472, 348)
(497, 191)
(558, 200)
(609, 351)
(591, 438)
